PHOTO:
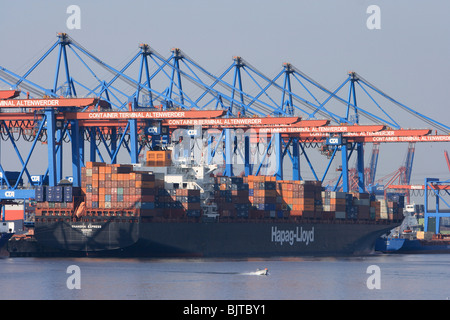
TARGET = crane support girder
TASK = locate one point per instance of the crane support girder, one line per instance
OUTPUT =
(56, 103)
(9, 94)
(125, 115)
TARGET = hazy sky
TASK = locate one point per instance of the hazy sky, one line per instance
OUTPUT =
(407, 58)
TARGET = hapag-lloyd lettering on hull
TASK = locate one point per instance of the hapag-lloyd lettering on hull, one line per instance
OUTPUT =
(292, 236)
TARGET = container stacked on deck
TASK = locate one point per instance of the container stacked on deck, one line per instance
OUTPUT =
(165, 201)
(334, 204)
(189, 200)
(354, 205)
(395, 204)
(361, 203)
(60, 198)
(122, 190)
(176, 203)
(118, 188)
(300, 198)
(310, 192)
(390, 210)
(262, 196)
(285, 198)
(159, 158)
(232, 196)
(144, 192)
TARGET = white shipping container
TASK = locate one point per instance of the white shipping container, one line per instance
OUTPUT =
(6, 227)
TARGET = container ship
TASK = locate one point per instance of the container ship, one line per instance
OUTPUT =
(411, 238)
(159, 210)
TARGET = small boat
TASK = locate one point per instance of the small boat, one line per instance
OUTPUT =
(262, 272)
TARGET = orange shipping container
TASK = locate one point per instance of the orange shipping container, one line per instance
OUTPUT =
(94, 164)
(159, 155)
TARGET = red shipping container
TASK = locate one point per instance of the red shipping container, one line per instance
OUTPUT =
(13, 212)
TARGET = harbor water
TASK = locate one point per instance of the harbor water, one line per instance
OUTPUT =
(371, 277)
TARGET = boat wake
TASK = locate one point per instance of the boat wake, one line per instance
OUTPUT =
(255, 273)
(258, 272)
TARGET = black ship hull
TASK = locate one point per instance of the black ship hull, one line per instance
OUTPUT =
(214, 239)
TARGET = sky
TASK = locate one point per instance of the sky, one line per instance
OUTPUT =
(408, 57)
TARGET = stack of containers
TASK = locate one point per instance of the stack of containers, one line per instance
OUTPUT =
(118, 188)
(223, 197)
(240, 197)
(351, 210)
(54, 194)
(176, 203)
(393, 210)
(375, 209)
(390, 210)
(361, 201)
(383, 214)
(285, 200)
(57, 197)
(318, 203)
(159, 158)
(189, 200)
(396, 204)
(232, 196)
(262, 196)
(336, 203)
(144, 191)
(307, 194)
(166, 203)
(354, 205)
(39, 193)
